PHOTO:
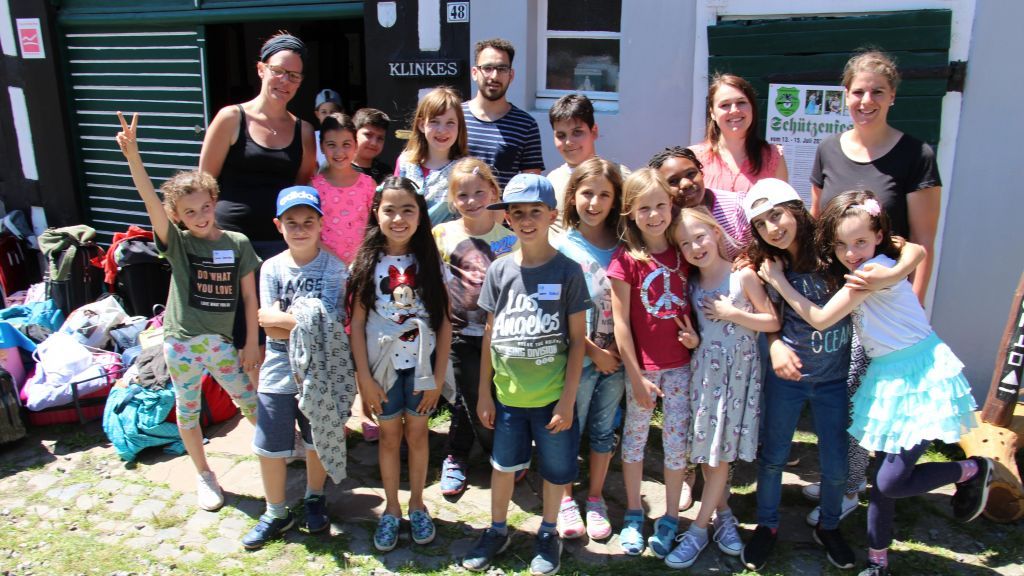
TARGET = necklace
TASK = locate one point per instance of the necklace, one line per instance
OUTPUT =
(672, 269)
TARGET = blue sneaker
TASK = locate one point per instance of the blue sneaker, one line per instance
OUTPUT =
(631, 538)
(267, 529)
(453, 476)
(316, 514)
(386, 536)
(690, 546)
(664, 536)
(490, 544)
(422, 527)
(547, 557)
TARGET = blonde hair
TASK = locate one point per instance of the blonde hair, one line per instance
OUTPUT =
(595, 167)
(184, 183)
(701, 214)
(436, 102)
(872, 62)
(464, 170)
(637, 185)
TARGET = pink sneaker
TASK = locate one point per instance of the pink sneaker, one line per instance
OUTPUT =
(570, 524)
(598, 526)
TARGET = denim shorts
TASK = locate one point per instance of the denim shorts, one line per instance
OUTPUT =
(276, 417)
(401, 397)
(517, 429)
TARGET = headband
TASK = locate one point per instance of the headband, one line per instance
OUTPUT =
(282, 42)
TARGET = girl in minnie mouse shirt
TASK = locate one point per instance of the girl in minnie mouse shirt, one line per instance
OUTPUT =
(400, 340)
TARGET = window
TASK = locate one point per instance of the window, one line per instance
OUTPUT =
(579, 51)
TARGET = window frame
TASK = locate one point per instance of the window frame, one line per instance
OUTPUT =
(603, 101)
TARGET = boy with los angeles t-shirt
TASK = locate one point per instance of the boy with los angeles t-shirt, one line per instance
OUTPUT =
(534, 339)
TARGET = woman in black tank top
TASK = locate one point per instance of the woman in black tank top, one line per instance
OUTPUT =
(256, 148)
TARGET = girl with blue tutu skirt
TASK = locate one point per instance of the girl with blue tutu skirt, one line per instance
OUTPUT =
(913, 391)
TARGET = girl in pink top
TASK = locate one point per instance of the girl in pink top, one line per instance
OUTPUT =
(345, 194)
(733, 154)
(650, 311)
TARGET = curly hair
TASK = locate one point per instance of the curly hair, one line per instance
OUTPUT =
(659, 159)
(184, 183)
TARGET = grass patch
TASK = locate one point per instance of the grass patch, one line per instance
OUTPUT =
(440, 417)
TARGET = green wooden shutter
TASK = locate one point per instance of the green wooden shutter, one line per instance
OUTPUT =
(157, 73)
(813, 50)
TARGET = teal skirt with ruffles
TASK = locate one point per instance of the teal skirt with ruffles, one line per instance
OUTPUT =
(911, 395)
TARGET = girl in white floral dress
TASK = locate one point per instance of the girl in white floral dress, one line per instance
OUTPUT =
(725, 388)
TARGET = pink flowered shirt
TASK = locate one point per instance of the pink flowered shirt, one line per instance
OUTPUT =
(346, 211)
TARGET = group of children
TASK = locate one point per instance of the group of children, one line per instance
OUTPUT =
(535, 338)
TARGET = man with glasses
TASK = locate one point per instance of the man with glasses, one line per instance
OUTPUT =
(500, 134)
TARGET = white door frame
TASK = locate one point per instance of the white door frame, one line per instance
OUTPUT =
(709, 11)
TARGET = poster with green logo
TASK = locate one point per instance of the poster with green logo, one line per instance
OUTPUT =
(800, 116)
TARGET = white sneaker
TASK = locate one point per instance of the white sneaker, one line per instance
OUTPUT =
(813, 491)
(850, 504)
(208, 493)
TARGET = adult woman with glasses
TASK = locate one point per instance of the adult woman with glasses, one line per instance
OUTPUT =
(257, 148)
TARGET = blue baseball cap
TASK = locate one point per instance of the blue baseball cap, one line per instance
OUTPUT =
(298, 196)
(525, 189)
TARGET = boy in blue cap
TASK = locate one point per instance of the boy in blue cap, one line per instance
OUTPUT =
(534, 340)
(303, 270)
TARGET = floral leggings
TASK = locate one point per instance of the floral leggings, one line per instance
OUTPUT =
(186, 361)
(675, 384)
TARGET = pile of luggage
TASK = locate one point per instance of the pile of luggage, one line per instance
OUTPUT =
(87, 343)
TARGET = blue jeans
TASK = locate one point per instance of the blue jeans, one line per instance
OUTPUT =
(517, 429)
(783, 402)
(598, 398)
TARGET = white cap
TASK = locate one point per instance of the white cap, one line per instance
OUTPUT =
(773, 191)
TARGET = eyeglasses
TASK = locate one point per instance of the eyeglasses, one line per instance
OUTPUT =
(277, 72)
(488, 69)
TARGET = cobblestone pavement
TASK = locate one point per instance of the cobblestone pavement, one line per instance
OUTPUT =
(68, 504)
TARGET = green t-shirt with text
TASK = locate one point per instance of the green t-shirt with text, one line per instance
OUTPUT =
(205, 289)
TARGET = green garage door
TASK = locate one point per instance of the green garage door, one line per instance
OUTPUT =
(813, 50)
(157, 73)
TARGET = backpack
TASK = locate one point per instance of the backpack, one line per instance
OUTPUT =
(143, 277)
(75, 266)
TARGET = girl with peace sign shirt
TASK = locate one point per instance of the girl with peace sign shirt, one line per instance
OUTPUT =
(650, 310)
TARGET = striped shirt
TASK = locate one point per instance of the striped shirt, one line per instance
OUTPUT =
(727, 208)
(509, 145)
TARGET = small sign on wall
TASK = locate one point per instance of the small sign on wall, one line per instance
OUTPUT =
(30, 37)
(458, 12)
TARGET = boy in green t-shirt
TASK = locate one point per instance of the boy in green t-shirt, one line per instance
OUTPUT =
(534, 341)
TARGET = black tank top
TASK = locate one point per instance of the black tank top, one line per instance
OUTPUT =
(250, 180)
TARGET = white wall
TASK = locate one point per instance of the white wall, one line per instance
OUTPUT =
(981, 258)
(656, 70)
(981, 252)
